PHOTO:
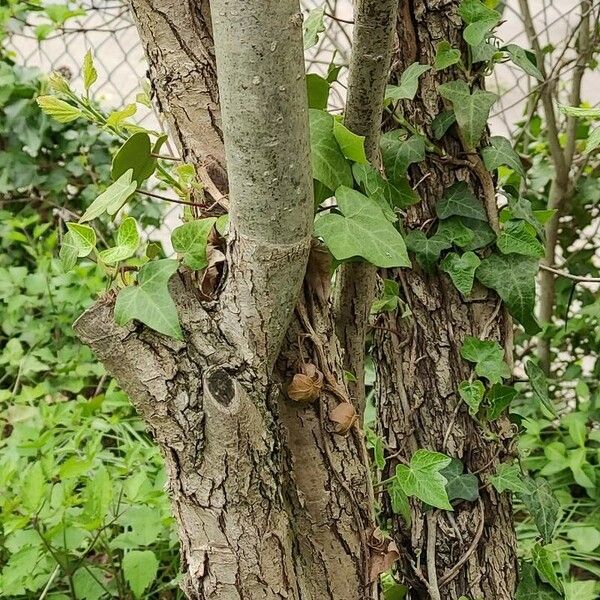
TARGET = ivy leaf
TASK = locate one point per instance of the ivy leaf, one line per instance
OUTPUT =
(427, 250)
(593, 140)
(135, 154)
(461, 270)
(112, 199)
(442, 122)
(500, 152)
(543, 507)
(580, 111)
(409, 83)
(445, 56)
(471, 109)
(149, 301)
(483, 52)
(398, 153)
(499, 398)
(84, 238)
(508, 478)
(513, 278)
(190, 240)
(459, 200)
(543, 565)
(522, 59)
(361, 230)
(539, 386)
(139, 568)
(376, 187)
(463, 486)
(456, 231)
(488, 357)
(480, 20)
(389, 299)
(329, 164)
(472, 393)
(90, 75)
(520, 208)
(317, 88)
(422, 478)
(529, 589)
(59, 110)
(519, 237)
(352, 145)
(128, 240)
(313, 25)
(399, 501)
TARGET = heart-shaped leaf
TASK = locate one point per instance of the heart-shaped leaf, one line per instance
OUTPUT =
(190, 240)
(135, 154)
(399, 153)
(519, 237)
(409, 83)
(500, 152)
(488, 357)
(480, 20)
(128, 240)
(472, 393)
(461, 270)
(445, 56)
(459, 200)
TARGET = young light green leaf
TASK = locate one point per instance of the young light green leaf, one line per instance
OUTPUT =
(84, 238)
(522, 59)
(313, 25)
(128, 240)
(539, 386)
(472, 109)
(409, 83)
(68, 252)
(399, 501)
(488, 357)
(317, 88)
(580, 111)
(399, 153)
(59, 110)
(586, 538)
(361, 230)
(112, 199)
(442, 123)
(427, 250)
(90, 75)
(593, 140)
(508, 478)
(472, 393)
(190, 240)
(329, 164)
(389, 298)
(543, 507)
(530, 589)
(542, 562)
(459, 200)
(445, 56)
(480, 20)
(135, 154)
(376, 187)
(139, 569)
(499, 398)
(512, 276)
(500, 152)
(461, 270)
(352, 145)
(519, 237)
(460, 486)
(118, 117)
(149, 301)
(422, 478)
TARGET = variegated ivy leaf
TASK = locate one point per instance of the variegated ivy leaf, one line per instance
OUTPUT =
(459, 200)
(399, 153)
(480, 20)
(128, 240)
(501, 152)
(445, 56)
(314, 24)
(461, 270)
(112, 199)
(409, 83)
(190, 241)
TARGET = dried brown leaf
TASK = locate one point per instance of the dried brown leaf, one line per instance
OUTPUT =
(344, 416)
(306, 386)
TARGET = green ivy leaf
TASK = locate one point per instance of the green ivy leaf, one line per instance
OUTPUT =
(471, 109)
(329, 164)
(135, 154)
(488, 357)
(483, 52)
(317, 88)
(399, 153)
(500, 152)
(59, 110)
(422, 478)
(352, 145)
(593, 141)
(499, 398)
(361, 230)
(190, 241)
(442, 122)
(461, 270)
(513, 278)
(543, 565)
(149, 301)
(463, 486)
(480, 20)
(139, 569)
(543, 507)
(399, 501)
(519, 237)
(128, 240)
(112, 199)
(90, 75)
(530, 589)
(459, 200)
(427, 250)
(456, 231)
(389, 298)
(539, 386)
(508, 478)
(376, 187)
(445, 56)
(520, 208)
(523, 59)
(314, 24)
(78, 242)
(472, 393)
(409, 83)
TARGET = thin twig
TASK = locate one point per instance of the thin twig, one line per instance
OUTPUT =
(567, 275)
(167, 199)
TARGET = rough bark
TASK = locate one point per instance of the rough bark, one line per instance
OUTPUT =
(471, 551)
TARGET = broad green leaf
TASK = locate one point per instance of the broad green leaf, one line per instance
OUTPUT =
(399, 501)
(399, 153)
(585, 538)
(543, 507)
(508, 478)
(583, 472)
(112, 199)
(90, 75)
(59, 110)
(542, 562)
(88, 582)
(513, 278)
(314, 24)
(488, 357)
(520, 208)
(586, 589)
(472, 109)
(362, 230)
(427, 250)
(576, 422)
(329, 164)
(461, 270)
(539, 386)
(134, 154)
(375, 442)
(118, 117)
(499, 398)
(190, 241)
(483, 52)
(128, 240)
(445, 56)
(472, 393)
(500, 152)
(530, 589)
(409, 83)
(139, 569)
(149, 301)
(522, 59)
(84, 238)
(593, 140)
(480, 20)
(422, 478)
(68, 251)
(34, 488)
(463, 486)
(352, 145)
(519, 237)
(459, 200)
(442, 122)
(389, 298)
(317, 88)
(468, 234)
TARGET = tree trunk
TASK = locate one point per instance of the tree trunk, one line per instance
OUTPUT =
(470, 551)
